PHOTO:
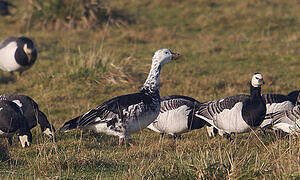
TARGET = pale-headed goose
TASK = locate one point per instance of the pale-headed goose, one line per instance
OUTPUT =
(124, 115)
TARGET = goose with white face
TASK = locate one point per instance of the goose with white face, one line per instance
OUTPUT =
(164, 56)
(257, 80)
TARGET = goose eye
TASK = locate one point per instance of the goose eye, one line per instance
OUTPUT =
(257, 78)
(166, 52)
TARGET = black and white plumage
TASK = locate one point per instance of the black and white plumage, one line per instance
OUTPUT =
(274, 103)
(294, 97)
(236, 114)
(287, 120)
(177, 116)
(12, 121)
(31, 112)
(17, 54)
(124, 115)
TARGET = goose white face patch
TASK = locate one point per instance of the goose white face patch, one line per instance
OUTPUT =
(24, 141)
(18, 102)
(1, 109)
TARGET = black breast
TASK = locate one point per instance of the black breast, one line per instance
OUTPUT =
(254, 108)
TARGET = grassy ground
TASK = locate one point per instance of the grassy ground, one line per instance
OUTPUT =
(222, 44)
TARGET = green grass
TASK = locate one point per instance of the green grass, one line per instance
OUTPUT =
(222, 44)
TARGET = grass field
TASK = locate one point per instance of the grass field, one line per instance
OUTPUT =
(222, 44)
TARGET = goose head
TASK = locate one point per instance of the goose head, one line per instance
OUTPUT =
(164, 56)
(257, 80)
(29, 48)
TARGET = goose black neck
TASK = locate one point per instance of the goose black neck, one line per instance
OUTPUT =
(255, 91)
(254, 108)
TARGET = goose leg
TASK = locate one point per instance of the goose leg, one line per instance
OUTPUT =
(9, 139)
(178, 136)
(121, 141)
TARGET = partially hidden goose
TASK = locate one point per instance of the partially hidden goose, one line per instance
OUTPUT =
(124, 115)
(287, 121)
(12, 121)
(274, 103)
(236, 114)
(177, 116)
(31, 112)
(17, 54)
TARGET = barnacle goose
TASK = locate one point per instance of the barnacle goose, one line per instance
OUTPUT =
(124, 115)
(17, 54)
(274, 103)
(31, 112)
(236, 114)
(12, 121)
(177, 116)
(287, 121)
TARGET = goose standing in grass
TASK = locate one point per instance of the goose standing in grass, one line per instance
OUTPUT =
(12, 121)
(17, 54)
(31, 112)
(274, 103)
(124, 115)
(236, 114)
(177, 116)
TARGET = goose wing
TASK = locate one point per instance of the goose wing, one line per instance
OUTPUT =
(116, 108)
(210, 109)
(6, 41)
(274, 98)
(176, 101)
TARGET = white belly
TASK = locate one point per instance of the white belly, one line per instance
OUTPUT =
(173, 121)
(274, 107)
(102, 128)
(7, 58)
(231, 120)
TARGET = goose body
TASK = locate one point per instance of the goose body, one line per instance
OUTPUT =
(177, 116)
(31, 112)
(287, 120)
(12, 121)
(17, 54)
(236, 114)
(274, 103)
(124, 115)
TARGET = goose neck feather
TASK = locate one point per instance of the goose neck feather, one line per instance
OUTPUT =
(152, 82)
